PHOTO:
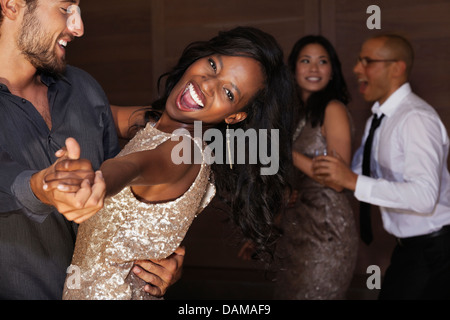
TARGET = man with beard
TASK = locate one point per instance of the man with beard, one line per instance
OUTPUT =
(43, 102)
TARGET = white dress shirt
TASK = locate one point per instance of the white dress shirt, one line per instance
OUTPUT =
(409, 179)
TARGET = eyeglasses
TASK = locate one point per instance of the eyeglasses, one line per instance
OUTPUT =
(366, 61)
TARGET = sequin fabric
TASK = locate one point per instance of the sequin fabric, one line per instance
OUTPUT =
(317, 253)
(126, 230)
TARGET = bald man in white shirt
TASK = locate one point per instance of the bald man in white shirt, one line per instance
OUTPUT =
(408, 180)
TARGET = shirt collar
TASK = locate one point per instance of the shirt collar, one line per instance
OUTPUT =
(46, 79)
(391, 104)
(49, 79)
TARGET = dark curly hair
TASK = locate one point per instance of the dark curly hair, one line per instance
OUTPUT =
(254, 199)
(314, 109)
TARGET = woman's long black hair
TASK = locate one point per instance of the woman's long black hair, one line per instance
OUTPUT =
(314, 108)
(254, 199)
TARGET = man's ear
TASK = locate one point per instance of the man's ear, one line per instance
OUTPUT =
(400, 68)
(236, 117)
(10, 8)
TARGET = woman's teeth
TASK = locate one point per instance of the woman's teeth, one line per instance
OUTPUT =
(194, 95)
(190, 99)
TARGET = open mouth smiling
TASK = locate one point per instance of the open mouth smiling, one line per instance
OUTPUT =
(362, 85)
(62, 43)
(64, 40)
(191, 98)
(313, 79)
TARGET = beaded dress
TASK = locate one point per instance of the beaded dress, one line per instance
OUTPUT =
(317, 252)
(126, 230)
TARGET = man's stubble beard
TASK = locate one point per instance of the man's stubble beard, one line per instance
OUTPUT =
(39, 48)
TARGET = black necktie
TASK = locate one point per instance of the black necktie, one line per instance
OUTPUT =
(364, 210)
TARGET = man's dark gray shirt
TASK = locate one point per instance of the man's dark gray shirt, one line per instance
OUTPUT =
(37, 242)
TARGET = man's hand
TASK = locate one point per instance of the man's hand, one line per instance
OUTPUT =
(160, 274)
(334, 172)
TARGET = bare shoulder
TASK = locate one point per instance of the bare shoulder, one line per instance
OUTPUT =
(336, 107)
(336, 111)
(337, 119)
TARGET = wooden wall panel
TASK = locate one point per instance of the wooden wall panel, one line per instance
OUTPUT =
(117, 48)
(128, 45)
(194, 20)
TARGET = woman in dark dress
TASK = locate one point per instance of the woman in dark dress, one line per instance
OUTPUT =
(318, 249)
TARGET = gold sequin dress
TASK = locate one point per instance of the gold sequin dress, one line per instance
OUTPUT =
(127, 229)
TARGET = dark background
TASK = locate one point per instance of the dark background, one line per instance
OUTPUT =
(128, 44)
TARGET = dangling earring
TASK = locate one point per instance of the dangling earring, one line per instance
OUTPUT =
(230, 160)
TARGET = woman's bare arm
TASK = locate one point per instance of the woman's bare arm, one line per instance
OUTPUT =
(146, 168)
(123, 119)
(337, 132)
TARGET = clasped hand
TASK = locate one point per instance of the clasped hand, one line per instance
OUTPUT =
(334, 172)
(74, 188)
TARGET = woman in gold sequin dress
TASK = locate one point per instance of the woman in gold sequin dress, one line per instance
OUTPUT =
(236, 79)
(317, 252)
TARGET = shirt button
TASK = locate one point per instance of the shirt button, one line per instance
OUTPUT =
(24, 101)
